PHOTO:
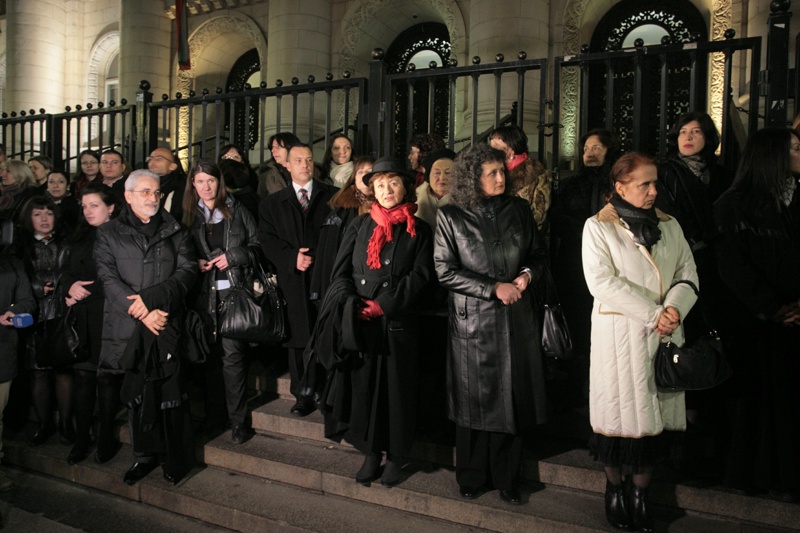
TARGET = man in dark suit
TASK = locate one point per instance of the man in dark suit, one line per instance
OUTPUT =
(288, 229)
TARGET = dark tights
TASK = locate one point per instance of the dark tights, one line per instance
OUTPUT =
(85, 394)
(108, 388)
(42, 395)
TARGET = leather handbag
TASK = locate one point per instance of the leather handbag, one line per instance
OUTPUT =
(253, 310)
(556, 340)
(696, 366)
(56, 341)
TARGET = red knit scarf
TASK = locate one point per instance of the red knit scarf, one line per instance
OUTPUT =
(517, 160)
(385, 219)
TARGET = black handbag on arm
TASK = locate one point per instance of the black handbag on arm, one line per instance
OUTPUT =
(55, 340)
(254, 310)
(701, 365)
(556, 340)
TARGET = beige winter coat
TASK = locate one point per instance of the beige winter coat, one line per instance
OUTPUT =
(631, 288)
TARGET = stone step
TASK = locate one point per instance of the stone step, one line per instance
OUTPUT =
(552, 464)
(231, 500)
(431, 490)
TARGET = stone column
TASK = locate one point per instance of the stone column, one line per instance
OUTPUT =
(146, 48)
(35, 47)
(508, 27)
(299, 46)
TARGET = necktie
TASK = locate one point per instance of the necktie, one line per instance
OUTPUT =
(304, 199)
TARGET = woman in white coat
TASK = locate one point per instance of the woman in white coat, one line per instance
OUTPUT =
(632, 255)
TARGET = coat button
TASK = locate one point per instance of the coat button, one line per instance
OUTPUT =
(363, 282)
(387, 262)
(385, 284)
(461, 314)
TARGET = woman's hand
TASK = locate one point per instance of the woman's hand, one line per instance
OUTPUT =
(70, 301)
(77, 291)
(668, 322)
(370, 310)
(48, 288)
(137, 309)
(521, 282)
(5, 318)
(204, 266)
(508, 293)
(220, 262)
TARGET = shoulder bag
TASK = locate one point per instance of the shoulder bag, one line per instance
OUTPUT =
(56, 340)
(701, 365)
(556, 340)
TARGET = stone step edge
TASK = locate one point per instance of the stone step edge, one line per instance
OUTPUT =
(705, 500)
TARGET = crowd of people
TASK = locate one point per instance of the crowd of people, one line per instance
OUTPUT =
(415, 286)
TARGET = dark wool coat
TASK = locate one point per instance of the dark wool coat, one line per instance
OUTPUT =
(495, 376)
(758, 251)
(161, 270)
(240, 233)
(15, 296)
(384, 379)
(283, 229)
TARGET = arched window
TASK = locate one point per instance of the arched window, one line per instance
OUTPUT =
(112, 80)
(245, 71)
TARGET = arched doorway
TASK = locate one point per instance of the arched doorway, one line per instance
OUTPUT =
(421, 45)
(676, 20)
(245, 70)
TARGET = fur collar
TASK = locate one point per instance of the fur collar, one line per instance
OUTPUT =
(609, 214)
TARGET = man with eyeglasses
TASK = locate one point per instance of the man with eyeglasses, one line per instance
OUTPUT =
(147, 265)
(112, 170)
(173, 180)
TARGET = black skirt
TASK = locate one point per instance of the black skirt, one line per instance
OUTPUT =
(635, 454)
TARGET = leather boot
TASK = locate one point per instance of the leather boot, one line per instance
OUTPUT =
(641, 519)
(369, 470)
(616, 507)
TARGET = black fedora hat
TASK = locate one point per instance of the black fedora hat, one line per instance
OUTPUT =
(388, 164)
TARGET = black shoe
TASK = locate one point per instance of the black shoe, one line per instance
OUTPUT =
(106, 453)
(239, 434)
(369, 470)
(67, 434)
(637, 506)
(467, 493)
(78, 453)
(616, 507)
(303, 407)
(168, 476)
(138, 471)
(511, 496)
(391, 472)
(42, 434)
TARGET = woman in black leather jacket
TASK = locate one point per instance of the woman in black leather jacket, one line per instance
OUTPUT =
(225, 236)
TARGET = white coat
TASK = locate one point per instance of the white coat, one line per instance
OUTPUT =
(631, 288)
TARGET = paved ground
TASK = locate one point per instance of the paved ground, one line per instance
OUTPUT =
(42, 504)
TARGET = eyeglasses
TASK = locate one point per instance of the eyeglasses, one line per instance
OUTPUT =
(157, 158)
(147, 193)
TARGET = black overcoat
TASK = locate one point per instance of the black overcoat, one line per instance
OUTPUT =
(16, 296)
(494, 361)
(283, 229)
(384, 378)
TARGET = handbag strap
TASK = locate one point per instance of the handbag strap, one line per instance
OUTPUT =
(701, 302)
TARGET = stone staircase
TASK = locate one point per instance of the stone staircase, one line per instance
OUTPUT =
(287, 477)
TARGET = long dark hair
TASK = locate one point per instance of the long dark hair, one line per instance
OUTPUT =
(465, 185)
(327, 159)
(190, 197)
(764, 167)
(710, 135)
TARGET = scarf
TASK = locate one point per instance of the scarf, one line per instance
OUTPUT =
(385, 219)
(341, 173)
(698, 167)
(516, 161)
(7, 194)
(642, 222)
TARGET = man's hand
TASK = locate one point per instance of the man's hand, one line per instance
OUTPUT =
(508, 293)
(304, 261)
(5, 318)
(137, 309)
(155, 321)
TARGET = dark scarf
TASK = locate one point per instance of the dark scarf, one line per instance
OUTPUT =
(385, 219)
(9, 193)
(642, 222)
(698, 167)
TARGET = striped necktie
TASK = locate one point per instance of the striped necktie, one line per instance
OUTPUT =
(303, 197)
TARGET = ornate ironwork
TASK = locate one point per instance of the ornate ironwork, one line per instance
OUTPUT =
(247, 65)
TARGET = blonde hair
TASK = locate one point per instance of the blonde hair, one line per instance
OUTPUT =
(21, 172)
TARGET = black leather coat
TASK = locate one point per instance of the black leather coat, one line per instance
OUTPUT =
(494, 371)
(240, 233)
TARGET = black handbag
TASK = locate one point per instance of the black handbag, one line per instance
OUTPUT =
(701, 365)
(56, 340)
(556, 340)
(253, 310)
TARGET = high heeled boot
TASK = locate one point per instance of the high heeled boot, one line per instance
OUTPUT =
(616, 506)
(641, 519)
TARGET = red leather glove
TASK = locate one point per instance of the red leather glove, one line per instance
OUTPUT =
(370, 310)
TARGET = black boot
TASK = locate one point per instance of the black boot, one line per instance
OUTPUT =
(369, 470)
(640, 515)
(616, 507)
(108, 388)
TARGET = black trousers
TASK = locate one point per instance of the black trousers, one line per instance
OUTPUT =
(484, 457)
(234, 375)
